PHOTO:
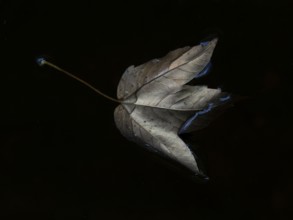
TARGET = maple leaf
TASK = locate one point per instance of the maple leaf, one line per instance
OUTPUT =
(157, 105)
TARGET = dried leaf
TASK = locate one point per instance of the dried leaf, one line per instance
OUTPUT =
(157, 105)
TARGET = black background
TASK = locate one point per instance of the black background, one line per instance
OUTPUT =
(63, 158)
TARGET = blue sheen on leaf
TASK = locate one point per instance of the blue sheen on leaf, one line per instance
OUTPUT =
(226, 98)
(204, 43)
(191, 119)
(205, 71)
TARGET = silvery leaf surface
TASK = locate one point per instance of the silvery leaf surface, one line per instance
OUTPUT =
(157, 105)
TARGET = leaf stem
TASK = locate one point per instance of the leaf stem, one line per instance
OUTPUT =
(42, 62)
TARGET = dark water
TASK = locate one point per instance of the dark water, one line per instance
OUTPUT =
(61, 154)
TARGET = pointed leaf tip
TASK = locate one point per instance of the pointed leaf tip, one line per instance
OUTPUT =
(205, 43)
